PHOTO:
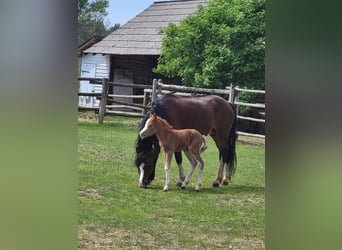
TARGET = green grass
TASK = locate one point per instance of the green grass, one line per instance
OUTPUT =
(114, 213)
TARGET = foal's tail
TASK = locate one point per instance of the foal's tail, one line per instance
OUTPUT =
(204, 145)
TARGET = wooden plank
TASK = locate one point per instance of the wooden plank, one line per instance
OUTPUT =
(249, 134)
(193, 89)
(131, 85)
(127, 96)
(129, 104)
(250, 119)
(250, 90)
(163, 92)
(110, 107)
(128, 114)
(255, 105)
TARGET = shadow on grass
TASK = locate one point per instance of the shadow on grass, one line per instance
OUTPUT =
(233, 189)
(230, 189)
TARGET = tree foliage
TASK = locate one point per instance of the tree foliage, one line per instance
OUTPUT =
(91, 15)
(220, 44)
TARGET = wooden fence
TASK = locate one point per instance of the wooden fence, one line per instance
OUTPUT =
(109, 106)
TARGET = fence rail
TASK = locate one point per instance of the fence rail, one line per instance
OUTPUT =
(151, 92)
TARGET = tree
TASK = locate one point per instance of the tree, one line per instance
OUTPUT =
(91, 15)
(221, 44)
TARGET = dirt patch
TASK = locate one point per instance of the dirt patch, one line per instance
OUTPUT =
(90, 237)
(114, 238)
(89, 192)
(246, 243)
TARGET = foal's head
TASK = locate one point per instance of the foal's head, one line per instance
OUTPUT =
(150, 126)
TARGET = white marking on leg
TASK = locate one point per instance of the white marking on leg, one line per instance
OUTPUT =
(141, 177)
(168, 157)
(167, 178)
(227, 176)
(200, 176)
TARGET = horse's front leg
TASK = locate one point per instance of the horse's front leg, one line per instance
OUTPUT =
(168, 157)
(178, 156)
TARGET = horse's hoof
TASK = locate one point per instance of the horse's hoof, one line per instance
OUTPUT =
(225, 182)
(215, 184)
(183, 187)
(179, 184)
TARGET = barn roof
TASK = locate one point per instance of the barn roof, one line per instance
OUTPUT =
(140, 35)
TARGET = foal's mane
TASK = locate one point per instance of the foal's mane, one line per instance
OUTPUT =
(164, 122)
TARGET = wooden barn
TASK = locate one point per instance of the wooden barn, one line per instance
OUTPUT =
(129, 54)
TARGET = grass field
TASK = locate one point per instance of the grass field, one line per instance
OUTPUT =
(114, 213)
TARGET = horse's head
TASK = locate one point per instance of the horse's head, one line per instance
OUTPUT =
(147, 151)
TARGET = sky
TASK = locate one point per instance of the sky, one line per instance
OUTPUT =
(121, 11)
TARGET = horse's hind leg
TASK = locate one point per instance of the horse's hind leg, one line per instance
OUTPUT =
(218, 179)
(178, 156)
(228, 176)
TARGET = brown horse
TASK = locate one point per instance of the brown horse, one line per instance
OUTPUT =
(210, 115)
(173, 140)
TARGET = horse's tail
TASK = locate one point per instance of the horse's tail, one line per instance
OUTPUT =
(204, 145)
(231, 153)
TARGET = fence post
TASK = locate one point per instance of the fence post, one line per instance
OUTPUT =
(236, 99)
(145, 102)
(159, 88)
(232, 94)
(103, 101)
(154, 90)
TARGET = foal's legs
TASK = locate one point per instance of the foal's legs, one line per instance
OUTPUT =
(178, 156)
(194, 158)
(200, 172)
(168, 157)
(192, 168)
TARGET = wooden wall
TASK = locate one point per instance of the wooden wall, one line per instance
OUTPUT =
(141, 66)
